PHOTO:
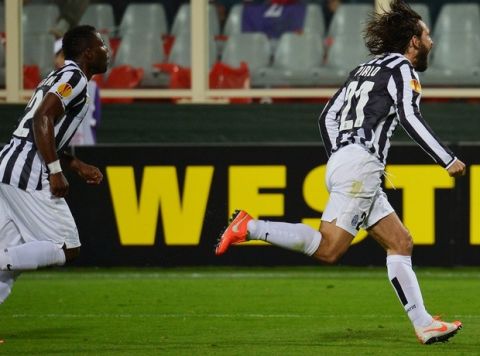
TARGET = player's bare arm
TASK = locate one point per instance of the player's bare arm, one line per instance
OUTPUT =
(89, 173)
(49, 111)
(457, 169)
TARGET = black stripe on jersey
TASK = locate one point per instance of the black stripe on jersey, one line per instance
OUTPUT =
(70, 108)
(74, 110)
(6, 151)
(39, 184)
(75, 78)
(67, 68)
(399, 83)
(11, 162)
(383, 136)
(387, 61)
(27, 168)
(58, 74)
(322, 124)
(56, 80)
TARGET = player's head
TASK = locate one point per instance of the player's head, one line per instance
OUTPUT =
(84, 44)
(399, 30)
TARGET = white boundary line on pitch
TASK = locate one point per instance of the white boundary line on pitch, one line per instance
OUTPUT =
(240, 275)
(216, 316)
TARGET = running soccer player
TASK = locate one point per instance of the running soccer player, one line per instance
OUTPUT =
(36, 226)
(356, 126)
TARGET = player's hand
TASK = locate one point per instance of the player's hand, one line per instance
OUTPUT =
(58, 185)
(457, 169)
(89, 173)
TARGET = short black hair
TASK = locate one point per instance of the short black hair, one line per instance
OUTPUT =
(392, 30)
(77, 40)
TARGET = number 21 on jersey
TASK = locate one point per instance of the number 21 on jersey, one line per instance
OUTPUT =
(361, 94)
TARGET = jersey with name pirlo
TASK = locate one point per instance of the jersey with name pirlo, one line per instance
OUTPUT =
(377, 96)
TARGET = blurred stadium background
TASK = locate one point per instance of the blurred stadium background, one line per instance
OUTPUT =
(212, 105)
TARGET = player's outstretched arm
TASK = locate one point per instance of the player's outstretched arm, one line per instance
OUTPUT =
(457, 169)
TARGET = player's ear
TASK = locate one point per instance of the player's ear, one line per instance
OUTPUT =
(415, 42)
(89, 54)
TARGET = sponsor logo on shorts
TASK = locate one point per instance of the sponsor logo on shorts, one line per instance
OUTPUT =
(358, 220)
(64, 90)
(355, 220)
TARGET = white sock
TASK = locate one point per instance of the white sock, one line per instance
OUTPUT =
(31, 255)
(296, 237)
(404, 281)
(6, 283)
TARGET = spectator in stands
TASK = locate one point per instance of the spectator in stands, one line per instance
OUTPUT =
(329, 8)
(86, 132)
(274, 17)
(71, 12)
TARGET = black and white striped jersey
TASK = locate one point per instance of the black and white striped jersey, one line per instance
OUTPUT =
(377, 96)
(20, 163)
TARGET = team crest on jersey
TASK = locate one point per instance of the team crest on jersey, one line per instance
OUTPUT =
(415, 84)
(64, 90)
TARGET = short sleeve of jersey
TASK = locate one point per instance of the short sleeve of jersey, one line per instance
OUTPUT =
(69, 86)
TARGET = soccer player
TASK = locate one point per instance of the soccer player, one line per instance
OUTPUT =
(86, 131)
(356, 126)
(36, 226)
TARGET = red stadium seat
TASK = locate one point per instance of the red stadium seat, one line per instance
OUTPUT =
(31, 76)
(223, 76)
(180, 77)
(122, 77)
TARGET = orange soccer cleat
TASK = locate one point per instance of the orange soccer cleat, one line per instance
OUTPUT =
(437, 331)
(235, 232)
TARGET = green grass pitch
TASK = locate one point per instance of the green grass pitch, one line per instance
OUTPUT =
(225, 311)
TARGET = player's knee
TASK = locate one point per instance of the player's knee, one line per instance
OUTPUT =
(329, 253)
(407, 244)
(329, 259)
(71, 253)
(404, 244)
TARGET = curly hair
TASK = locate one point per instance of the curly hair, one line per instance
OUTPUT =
(391, 31)
(77, 40)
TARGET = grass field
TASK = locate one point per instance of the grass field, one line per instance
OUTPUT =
(207, 311)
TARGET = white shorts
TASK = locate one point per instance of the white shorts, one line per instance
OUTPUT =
(353, 180)
(35, 216)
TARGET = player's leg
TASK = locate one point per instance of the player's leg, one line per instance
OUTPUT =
(334, 244)
(7, 278)
(46, 226)
(396, 240)
(352, 184)
(31, 255)
(326, 245)
(9, 236)
(242, 227)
